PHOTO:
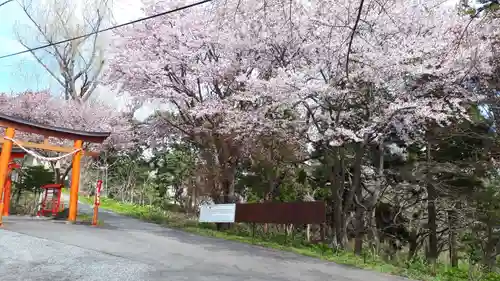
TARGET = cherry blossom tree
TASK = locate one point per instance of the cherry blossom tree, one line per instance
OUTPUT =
(220, 59)
(194, 71)
(336, 74)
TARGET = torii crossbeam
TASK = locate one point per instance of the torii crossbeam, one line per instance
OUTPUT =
(79, 137)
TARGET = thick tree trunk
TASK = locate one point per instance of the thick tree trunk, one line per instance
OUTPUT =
(414, 227)
(337, 189)
(228, 191)
(412, 244)
(57, 174)
(452, 221)
(356, 196)
(489, 258)
(359, 224)
(432, 254)
(373, 239)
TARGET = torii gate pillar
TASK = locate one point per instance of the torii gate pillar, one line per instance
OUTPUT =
(75, 181)
(14, 154)
(4, 164)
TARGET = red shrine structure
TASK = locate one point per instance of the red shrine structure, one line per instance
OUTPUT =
(51, 199)
(13, 124)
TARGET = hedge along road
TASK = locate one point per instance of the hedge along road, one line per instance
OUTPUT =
(129, 249)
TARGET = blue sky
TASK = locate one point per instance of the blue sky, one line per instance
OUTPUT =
(21, 73)
(18, 73)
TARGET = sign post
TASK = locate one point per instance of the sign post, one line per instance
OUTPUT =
(218, 213)
(97, 201)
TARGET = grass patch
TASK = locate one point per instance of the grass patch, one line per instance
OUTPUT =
(417, 270)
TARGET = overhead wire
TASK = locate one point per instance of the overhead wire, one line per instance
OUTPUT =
(5, 2)
(105, 29)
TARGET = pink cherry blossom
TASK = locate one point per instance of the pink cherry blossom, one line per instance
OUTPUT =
(245, 69)
(41, 107)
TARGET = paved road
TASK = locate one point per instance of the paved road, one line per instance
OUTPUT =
(128, 249)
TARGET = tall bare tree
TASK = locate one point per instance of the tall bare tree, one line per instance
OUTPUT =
(75, 65)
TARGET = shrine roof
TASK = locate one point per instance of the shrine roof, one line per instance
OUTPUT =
(51, 131)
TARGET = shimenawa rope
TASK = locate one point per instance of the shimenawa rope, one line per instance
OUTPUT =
(40, 157)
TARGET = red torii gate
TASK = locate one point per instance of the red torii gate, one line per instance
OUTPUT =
(79, 137)
(16, 153)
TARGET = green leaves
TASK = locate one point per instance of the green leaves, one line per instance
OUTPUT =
(173, 167)
(33, 177)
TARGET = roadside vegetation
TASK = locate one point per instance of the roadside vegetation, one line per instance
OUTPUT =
(174, 218)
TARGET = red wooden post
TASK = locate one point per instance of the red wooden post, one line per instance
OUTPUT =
(4, 165)
(97, 201)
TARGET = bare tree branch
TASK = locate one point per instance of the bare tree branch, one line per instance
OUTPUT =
(354, 28)
(78, 63)
(44, 65)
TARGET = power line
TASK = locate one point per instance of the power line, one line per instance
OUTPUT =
(106, 29)
(3, 3)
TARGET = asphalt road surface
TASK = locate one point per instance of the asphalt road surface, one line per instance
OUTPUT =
(129, 249)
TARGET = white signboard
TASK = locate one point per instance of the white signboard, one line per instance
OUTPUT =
(217, 213)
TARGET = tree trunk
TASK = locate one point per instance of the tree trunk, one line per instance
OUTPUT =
(18, 196)
(489, 257)
(359, 223)
(452, 222)
(59, 177)
(35, 204)
(412, 243)
(337, 189)
(356, 196)
(57, 174)
(227, 181)
(374, 241)
(432, 254)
